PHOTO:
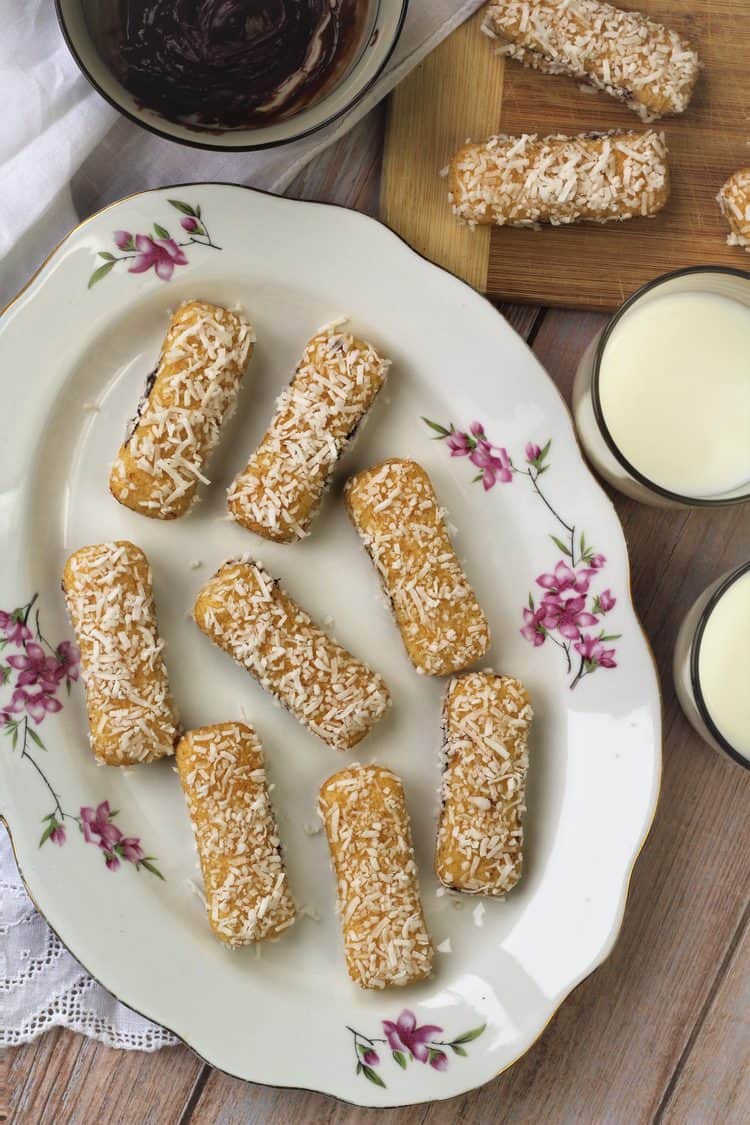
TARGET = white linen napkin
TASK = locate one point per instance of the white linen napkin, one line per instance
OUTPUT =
(55, 129)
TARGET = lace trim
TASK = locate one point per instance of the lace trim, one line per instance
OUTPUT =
(43, 986)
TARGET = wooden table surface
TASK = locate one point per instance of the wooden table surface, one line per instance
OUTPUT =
(661, 1032)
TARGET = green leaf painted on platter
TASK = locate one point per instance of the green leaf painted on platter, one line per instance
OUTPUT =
(559, 543)
(107, 258)
(359, 1068)
(400, 1058)
(441, 430)
(48, 832)
(459, 1050)
(35, 738)
(160, 231)
(372, 1076)
(185, 208)
(469, 1035)
(99, 273)
(150, 865)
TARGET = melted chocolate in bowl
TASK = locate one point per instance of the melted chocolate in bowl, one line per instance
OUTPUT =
(231, 64)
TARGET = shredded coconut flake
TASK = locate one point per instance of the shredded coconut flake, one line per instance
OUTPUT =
(246, 893)
(624, 53)
(193, 392)
(247, 613)
(734, 203)
(527, 180)
(395, 510)
(486, 718)
(385, 937)
(280, 490)
(110, 601)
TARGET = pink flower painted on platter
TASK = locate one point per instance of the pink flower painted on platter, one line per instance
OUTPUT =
(35, 675)
(404, 1035)
(567, 615)
(159, 254)
(155, 250)
(58, 835)
(534, 629)
(594, 653)
(565, 578)
(568, 605)
(14, 629)
(36, 704)
(409, 1042)
(98, 827)
(37, 667)
(131, 849)
(605, 601)
(69, 656)
(459, 444)
(494, 462)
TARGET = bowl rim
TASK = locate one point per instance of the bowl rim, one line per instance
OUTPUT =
(614, 320)
(205, 145)
(695, 652)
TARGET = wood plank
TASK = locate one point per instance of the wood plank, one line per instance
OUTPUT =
(64, 1078)
(714, 1085)
(34, 1070)
(457, 91)
(347, 173)
(579, 266)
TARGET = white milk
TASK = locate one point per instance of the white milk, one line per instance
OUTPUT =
(723, 665)
(674, 387)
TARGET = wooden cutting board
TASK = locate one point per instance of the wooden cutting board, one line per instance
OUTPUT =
(463, 90)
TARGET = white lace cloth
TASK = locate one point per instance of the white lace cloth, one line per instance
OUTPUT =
(61, 133)
(43, 986)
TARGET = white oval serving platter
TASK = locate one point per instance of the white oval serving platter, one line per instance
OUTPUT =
(116, 867)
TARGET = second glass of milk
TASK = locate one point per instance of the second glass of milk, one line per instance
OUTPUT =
(710, 664)
(661, 399)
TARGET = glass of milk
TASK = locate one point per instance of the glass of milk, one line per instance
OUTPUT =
(661, 398)
(710, 665)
